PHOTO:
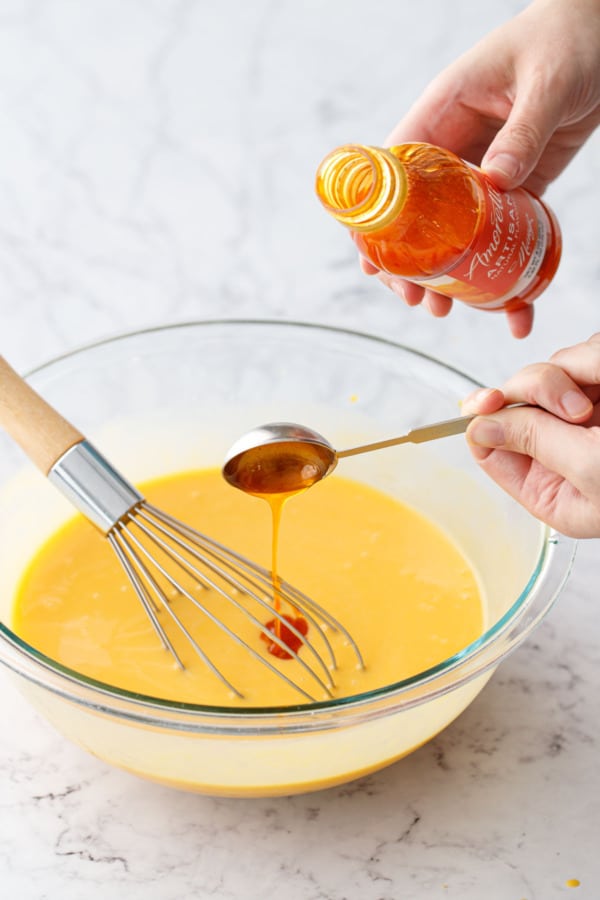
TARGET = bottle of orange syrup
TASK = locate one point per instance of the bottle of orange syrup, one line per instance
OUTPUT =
(421, 212)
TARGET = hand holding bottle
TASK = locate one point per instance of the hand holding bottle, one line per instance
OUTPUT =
(420, 212)
(520, 103)
(546, 456)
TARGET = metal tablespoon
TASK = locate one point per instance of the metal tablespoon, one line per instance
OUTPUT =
(283, 457)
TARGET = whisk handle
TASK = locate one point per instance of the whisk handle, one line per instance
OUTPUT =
(35, 425)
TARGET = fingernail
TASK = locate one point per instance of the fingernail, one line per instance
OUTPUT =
(486, 433)
(474, 399)
(575, 404)
(505, 163)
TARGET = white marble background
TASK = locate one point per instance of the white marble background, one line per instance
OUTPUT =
(156, 165)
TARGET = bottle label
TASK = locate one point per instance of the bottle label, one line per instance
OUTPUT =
(506, 255)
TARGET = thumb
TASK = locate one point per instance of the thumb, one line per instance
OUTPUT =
(515, 151)
(529, 433)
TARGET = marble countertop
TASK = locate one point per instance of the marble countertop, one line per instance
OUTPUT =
(156, 165)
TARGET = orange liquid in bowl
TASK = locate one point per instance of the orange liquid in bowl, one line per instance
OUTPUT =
(396, 581)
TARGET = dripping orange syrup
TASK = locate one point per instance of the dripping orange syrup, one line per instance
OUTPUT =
(275, 626)
(274, 473)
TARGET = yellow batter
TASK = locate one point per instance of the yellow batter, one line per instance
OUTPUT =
(397, 583)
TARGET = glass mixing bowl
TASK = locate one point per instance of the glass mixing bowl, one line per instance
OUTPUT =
(176, 398)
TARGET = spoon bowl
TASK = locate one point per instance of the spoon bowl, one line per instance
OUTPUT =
(279, 458)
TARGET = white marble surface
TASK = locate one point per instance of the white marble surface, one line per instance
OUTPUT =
(156, 165)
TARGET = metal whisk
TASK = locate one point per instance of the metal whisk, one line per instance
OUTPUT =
(161, 554)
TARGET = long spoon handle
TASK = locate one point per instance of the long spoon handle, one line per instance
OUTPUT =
(416, 436)
(420, 435)
(40, 431)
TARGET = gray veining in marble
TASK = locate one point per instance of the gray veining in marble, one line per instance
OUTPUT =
(156, 165)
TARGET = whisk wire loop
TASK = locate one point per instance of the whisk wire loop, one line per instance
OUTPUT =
(257, 575)
(140, 576)
(248, 581)
(212, 585)
(150, 607)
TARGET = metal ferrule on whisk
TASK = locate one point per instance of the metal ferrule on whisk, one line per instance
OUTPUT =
(91, 484)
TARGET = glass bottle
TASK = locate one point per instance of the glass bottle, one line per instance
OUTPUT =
(420, 212)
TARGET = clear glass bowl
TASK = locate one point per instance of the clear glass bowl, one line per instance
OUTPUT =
(176, 398)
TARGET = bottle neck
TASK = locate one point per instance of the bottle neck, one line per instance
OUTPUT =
(364, 188)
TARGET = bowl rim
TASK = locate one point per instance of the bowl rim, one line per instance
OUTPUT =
(555, 560)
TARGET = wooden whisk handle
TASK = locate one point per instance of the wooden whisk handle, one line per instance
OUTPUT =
(35, 425)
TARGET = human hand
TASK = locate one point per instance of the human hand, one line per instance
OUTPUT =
(547, 455)
(520, 103)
